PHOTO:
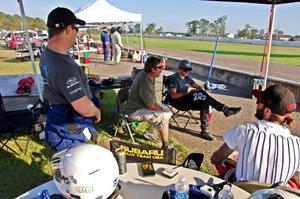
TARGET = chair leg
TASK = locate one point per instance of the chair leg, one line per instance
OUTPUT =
(130, 133)
(4, 144)
(27, 144)
(192, 117)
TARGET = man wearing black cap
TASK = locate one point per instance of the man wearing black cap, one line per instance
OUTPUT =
(71, 111)
(195, 99)
(267, 150)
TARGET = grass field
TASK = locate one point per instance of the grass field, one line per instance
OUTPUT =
(279, 54)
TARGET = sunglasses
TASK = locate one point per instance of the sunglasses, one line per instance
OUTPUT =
(75, 28)
(158, 67)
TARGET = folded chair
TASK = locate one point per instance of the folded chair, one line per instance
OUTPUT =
(120, 116)
(13, 123)
(177, 113)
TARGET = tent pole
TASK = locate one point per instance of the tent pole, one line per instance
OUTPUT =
(30, 49)
(126, 33)
(142, 47)
(269, 42)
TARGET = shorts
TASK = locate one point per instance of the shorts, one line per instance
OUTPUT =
(158, 118)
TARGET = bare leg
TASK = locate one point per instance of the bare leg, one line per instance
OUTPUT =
(164, 133)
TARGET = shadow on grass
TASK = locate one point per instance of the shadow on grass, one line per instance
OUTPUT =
(26, 171)
(250, 54)
(9, 60)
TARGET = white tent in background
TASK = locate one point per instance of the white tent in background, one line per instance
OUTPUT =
(100, 12)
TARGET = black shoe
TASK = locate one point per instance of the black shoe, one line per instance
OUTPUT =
(207, 136)
(231, 111)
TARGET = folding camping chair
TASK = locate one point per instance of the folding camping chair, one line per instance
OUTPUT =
(13, 123)
(166, 100)
(123, 121)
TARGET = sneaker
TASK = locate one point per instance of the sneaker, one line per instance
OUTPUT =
(207, 136)
(231, 111)
(150, 136)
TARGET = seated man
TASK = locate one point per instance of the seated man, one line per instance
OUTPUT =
(196, 99)
(267, 151)
(142, 105)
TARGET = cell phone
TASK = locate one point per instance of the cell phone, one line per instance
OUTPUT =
(147, 169)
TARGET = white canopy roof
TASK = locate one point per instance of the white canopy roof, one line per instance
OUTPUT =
(101, 12)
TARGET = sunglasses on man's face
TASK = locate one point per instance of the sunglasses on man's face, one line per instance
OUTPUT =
(75, 28)
(159, 67)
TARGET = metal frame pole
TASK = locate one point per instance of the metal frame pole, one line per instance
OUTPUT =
(30, 49)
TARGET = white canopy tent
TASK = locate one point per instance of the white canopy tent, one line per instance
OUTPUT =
(100, 12)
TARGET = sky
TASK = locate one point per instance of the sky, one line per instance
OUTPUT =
(173, 15)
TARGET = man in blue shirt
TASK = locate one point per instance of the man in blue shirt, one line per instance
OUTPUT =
(194, 99)
(105, 39)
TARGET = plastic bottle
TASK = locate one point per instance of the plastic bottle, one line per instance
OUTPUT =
(182, 189)
(225, 193)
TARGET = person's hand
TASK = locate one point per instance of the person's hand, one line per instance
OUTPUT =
(97, 117)
(193, 90)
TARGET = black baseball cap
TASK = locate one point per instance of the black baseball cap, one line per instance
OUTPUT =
(62, 17)
(185, 65)
(279, 99)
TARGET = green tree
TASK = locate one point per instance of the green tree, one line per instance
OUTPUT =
(203, 26)
(219, 25)
(159, 30)
(150, 28)
(137, 28)
(130, 29)
(192, 26)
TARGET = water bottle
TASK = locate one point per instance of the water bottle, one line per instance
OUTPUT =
(225, 193)
(182, 189)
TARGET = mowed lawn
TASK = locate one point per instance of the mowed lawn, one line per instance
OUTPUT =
(279, 54)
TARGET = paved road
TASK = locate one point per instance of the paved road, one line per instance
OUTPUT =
(283, 71)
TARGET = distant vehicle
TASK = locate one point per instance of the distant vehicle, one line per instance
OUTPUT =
(169, 35)
(42, 35)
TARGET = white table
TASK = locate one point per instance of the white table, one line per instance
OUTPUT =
(135, 186)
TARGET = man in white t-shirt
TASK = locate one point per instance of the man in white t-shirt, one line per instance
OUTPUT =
(267, 150)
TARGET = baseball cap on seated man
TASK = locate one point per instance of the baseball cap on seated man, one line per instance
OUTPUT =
(185, 65)
(279, 99)
(62, 17)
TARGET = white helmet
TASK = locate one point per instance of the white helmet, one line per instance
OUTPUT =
(85, 171)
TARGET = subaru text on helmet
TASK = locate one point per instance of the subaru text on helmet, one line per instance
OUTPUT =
(85, 171)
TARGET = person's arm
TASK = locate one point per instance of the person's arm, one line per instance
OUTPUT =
(221, 154)
(196, 86)
(85, 107)
(174, 94)
(153, 107)
(297, 177)
(119, 41)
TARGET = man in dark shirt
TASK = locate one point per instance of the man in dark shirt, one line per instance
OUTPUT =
(71, 112)
(194, 99)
